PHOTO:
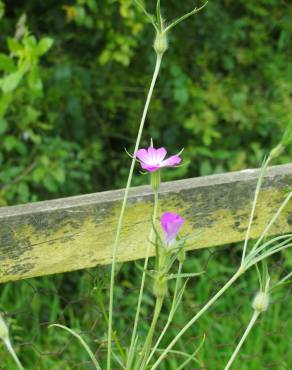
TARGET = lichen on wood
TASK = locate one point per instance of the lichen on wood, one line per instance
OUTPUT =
(74, 233)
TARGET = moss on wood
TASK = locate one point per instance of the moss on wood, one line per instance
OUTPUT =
(74, 233)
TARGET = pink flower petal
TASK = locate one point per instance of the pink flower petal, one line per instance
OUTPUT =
(151, 155)
(151, 159)
(142, 154)
(160, 154)
(171, 161)
(171, 224)
(149, 167)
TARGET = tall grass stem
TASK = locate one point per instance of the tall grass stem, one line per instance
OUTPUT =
(13, 354)
(274, 218)
(243, 338)
(83, 343)
(148, 342)
(123, 208)
(196, 317)
(170, 316)
(151, 235)
(257, 191)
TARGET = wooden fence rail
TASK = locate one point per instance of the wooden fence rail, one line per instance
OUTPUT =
(74, 233)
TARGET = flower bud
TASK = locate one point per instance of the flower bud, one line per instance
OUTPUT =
(171, 224)
(261, 301)
(160, 43)
(4, 332)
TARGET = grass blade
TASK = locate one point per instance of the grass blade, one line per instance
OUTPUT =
(83, 343)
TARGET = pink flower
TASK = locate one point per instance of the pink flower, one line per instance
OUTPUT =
(152, 159)
(171, 224)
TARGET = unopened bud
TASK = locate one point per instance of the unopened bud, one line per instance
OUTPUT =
(4, 332)
(261, 301)
(160, 43)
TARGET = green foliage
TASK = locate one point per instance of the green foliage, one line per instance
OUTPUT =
(79, 300)
(2, 9)
(18, 117)
(73, 78)
(68, 109)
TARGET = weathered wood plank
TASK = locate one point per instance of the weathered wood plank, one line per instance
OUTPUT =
(74, 233)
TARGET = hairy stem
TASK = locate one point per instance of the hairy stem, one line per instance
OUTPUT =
(271, 223)
(13, 354)
(197, 316)
(257, 191)
(122, 213)
(114, 334)
(149, 339)
(83, 343)
(243, 338)
(170, 316)
(151, 235)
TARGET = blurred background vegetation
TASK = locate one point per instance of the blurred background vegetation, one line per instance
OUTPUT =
(73, 80)
(74, 75)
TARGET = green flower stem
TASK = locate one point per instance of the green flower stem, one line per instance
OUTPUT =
(257, 191)
(177, 285)
(151, 236)
(198, 315)
(170, 316)
(149, 338)
(122, 213)
(155, 180)
(13, 354)
(114, 334)
(243, 338)
(270, 224)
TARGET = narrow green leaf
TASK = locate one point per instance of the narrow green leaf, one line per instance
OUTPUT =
(193, 356)
(158, 14)
(285, 280)
(148, 273)
(179, 20)
(174, 276)
(82, 341)
(149, 16)
(287, 136)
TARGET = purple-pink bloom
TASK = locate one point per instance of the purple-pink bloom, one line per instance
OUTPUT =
(152, 159)
(171, 224)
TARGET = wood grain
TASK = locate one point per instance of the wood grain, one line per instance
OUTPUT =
(77, 232)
